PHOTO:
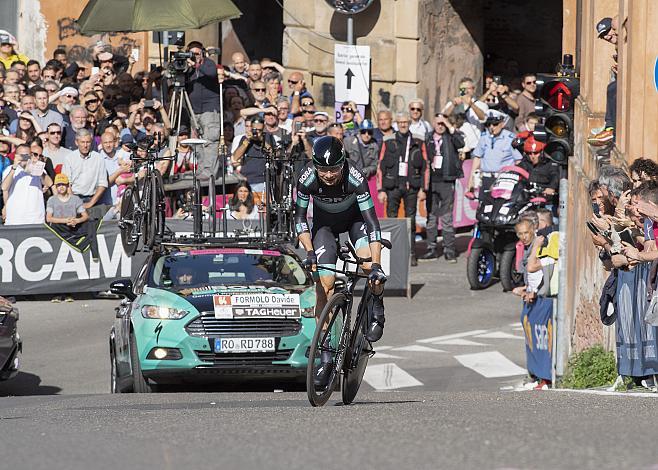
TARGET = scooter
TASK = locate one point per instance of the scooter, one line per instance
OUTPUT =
(494, 248)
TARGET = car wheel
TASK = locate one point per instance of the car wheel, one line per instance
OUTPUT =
(140, 385)
(114, 384)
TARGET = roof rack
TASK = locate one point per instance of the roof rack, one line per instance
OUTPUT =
(210, 241)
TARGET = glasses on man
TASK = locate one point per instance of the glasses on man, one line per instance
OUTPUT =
(259, 89)
(293, 82)
(319, 120)
(54, 132)
(364, 132)
(416, 109)
(531, 83)
(308, 103)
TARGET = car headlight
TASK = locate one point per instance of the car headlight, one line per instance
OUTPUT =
(155, 312)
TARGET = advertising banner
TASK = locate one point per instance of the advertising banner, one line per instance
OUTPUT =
(537, 321)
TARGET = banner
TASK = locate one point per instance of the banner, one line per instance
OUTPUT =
(33, 260)
(537, 322)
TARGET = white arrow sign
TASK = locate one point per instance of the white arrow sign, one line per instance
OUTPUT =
(352, 73)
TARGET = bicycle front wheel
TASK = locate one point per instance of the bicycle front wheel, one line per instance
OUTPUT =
(358, 353)
(328, 350)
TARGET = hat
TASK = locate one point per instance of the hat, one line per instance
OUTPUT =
(366, 125)
(184, 130)
(72, 70)
(105, 56)
(603, 26)
(61, 178)
(495, 117)
(321, 113)
(532, 145)
(68, 90)
(127, 138)
(7, 38)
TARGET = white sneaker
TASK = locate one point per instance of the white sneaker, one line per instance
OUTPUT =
(619, 381)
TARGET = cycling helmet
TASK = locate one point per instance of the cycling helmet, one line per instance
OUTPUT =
(328, 152)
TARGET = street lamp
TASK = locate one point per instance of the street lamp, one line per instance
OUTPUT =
(349, 7)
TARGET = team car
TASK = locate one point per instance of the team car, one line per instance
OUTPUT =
(212, 315)
(11, 345)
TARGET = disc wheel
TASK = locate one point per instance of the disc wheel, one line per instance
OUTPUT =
(156, 216)
(358, 353)
(212, 206)
(197, 212)
(130, 221)
(332, 321)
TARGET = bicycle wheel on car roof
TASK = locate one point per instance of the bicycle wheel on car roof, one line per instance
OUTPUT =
(156, 219)
(328, 350)
(212, 206)
(197, 209)
(130, 221)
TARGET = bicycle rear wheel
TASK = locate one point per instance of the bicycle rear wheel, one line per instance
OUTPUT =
(334, 319)
(358, 353)
(156, 218)
(128, 222)
(197, 212)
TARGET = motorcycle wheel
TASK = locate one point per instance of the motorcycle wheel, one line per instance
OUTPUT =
(509, 276)
(480, 268)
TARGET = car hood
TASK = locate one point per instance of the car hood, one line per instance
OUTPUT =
(202, 298)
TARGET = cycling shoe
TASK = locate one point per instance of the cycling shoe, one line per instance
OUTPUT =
(323, 375)
(376, 328)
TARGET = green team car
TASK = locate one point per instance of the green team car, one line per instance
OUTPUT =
(212, 315)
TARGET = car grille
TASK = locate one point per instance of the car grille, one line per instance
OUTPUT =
(208, 326)
(244, 360)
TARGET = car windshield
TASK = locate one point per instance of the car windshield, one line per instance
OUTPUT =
(197, 268)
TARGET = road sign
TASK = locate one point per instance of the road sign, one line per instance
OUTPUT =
(352, 73)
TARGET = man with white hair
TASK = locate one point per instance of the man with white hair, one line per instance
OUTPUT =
(87, 173)
(418, 127)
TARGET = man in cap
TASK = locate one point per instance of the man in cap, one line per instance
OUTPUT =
(493, 151)
(66, 99)
(8, 54)
(362, 149)
(606, 29)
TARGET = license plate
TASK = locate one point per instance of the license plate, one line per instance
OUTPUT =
(229, 345)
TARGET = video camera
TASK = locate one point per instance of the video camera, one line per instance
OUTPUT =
(177, 67)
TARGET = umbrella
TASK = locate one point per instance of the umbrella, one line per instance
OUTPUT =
(100, 16)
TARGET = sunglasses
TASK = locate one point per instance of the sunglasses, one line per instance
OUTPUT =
(258, 89)
(347, 110)
(531, 83)
(308, 111)
(416, 109)
(319, 120)
(70, 96)
(292, 82)
(55, 132)
(91, 101)
(308, 103)
(363, 132)
(61, 184)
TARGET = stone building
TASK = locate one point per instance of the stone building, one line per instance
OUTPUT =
(637, 136)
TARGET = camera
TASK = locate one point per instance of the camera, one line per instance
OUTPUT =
(177, 67)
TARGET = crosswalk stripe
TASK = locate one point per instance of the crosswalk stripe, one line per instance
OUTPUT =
(452, 336)
(381, 355)
(490, 364)
(389, 377)
(417, 348)
(458, 342)
(499, 335)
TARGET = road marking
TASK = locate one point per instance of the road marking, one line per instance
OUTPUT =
(459, 342)
(455, 335)
(490, 364)
(499, 335)
(383, 348)
(606, 393)
(518, 328)
(381, 355)
(417, 348)
(389, 377)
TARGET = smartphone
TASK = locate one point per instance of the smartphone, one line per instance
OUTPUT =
(497, 79)
(627, 237)
(595, 209)
(148, 103)
(298, 126)
(135, 53)
(95, 70)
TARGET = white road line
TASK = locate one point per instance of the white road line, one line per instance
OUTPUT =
(381, 355)
(455, 335)
(389, 377)
(518, 328)
(458, 342)
(490, 364)
(383, 348)
(605, 392)
(499, 335)
(417, 348)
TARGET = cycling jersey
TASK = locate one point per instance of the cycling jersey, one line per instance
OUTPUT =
(345, 207)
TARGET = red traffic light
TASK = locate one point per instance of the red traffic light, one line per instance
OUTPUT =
(558, 95)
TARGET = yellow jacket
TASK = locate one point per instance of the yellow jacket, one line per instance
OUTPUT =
(13, 58)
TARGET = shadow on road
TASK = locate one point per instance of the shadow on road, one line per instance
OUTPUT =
(25, 384)
(387, 402)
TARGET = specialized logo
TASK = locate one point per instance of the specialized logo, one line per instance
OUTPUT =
(327, 156)
(320, 251)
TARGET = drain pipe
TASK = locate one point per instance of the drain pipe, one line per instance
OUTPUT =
(561, 335)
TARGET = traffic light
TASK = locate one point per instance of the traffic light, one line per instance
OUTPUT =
(557, 94)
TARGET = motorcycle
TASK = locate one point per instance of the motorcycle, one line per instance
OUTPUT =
(494, 248)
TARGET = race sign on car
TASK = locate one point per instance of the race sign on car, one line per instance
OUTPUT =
(230, 345)
(262, 305)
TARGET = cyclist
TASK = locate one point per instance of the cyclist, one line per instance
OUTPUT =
(341, 203)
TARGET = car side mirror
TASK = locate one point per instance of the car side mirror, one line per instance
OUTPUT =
(123, 287)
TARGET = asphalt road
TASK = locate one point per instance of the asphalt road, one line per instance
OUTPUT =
(436, 395)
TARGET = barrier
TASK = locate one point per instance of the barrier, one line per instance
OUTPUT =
(33, 260)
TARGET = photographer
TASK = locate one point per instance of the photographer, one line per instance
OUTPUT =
(250, 156)
(475, 110)
(203, 88)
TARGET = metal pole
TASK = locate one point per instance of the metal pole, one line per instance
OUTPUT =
(350, 30)
(563, 330)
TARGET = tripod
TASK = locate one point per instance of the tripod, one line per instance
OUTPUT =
(180, 99)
